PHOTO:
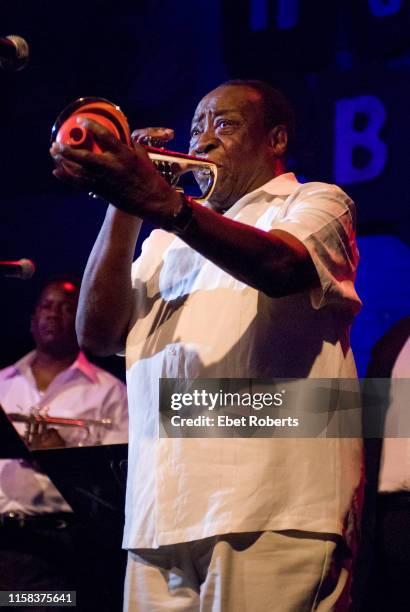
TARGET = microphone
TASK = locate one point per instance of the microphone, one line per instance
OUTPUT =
(14, 52)
(22, 269)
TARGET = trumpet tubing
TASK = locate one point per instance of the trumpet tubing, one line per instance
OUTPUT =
(172, 165)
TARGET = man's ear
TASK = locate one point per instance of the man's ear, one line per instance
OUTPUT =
(278, 140)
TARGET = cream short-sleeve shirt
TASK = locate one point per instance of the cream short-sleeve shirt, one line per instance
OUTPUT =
(192, 319)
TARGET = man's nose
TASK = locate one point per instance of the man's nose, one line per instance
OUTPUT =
(205, 144)
(55, 310)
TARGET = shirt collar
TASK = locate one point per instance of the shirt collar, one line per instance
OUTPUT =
(282, 185)
(81, 364)
(21, 366)
(86, 367)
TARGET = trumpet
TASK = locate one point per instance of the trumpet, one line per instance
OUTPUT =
(171, 164)
(36, 424)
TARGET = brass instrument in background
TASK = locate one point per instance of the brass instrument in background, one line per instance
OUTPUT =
(170, 164)
(36, 424)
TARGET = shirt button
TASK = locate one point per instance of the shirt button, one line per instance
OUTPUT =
(172, 351)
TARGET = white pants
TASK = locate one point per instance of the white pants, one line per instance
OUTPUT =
(287, 571)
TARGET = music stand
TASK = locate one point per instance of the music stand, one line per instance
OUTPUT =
(91, 478)
(11, 444)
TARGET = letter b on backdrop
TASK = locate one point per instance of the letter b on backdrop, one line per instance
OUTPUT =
(358, 122)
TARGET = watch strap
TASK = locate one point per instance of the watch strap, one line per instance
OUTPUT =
(183, 216)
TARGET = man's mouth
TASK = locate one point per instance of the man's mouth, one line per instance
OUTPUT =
(52, 328)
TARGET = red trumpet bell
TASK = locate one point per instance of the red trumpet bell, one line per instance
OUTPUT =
(66, 130)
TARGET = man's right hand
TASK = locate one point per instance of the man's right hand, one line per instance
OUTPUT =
(122, 175)
(50, 438)
(106, 298)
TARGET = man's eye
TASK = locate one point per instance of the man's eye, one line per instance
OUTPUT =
(194, 132)
(225, 123)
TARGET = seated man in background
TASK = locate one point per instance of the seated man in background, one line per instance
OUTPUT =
(37, 549)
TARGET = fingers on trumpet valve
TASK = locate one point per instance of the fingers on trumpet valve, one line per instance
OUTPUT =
(152, 137)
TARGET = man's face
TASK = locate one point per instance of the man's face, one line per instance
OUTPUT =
(53, 321)
(228, 129)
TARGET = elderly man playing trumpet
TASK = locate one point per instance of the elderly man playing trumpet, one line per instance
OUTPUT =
(257, 283)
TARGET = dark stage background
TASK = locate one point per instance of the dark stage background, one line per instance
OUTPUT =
(344, 64)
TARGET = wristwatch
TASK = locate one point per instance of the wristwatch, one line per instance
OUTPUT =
(183, 216)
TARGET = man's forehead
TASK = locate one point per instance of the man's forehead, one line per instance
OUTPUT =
(227, 98)
(64, 290)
